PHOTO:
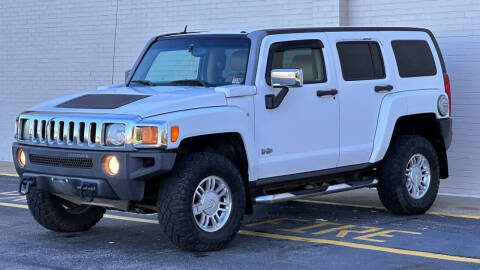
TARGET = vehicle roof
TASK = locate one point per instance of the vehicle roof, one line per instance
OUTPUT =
(277, 31)
(273, 31)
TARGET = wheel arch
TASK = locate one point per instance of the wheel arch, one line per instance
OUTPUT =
(413, 113)
(228, 144)
(210, 129)
(427, 126)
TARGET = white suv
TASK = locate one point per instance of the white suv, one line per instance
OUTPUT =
(208, 124)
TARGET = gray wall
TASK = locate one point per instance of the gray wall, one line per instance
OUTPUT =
(52, 48)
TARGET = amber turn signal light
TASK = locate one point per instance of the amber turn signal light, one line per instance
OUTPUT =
(146, 135)
(175, 131)
(149, 135)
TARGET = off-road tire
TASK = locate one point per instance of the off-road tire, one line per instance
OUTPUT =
(175, 195)
(392, 180)
(51, 214)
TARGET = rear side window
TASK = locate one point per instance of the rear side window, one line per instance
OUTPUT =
(361, 60)
(414, 58)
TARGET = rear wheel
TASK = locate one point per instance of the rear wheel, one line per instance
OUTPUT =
(201, 202)
(60, 215)
(409, 176)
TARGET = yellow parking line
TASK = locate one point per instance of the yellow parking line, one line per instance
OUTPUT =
(14, 205)
(364, 246)
(382, 208)
(452, 215)
(9, 174)
(309, 240)
(23, 206)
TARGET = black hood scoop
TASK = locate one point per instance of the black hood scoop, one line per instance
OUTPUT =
(100, 101)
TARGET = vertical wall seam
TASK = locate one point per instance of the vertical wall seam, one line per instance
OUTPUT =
(114, 42)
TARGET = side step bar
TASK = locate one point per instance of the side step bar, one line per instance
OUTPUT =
(300, 194)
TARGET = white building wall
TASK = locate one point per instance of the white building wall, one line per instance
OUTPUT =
(48, 49)
(52, 48)
(456, 25)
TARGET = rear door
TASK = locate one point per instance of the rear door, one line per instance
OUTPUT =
(363, 80)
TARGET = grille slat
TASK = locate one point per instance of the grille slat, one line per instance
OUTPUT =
(59, 132)
(50, 132)
(44, 131)
(80, 133)
(69, 162)
(35, 130)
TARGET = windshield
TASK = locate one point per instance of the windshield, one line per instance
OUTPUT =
(200, 61)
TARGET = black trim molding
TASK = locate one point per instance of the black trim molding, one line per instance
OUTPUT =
(282, 179)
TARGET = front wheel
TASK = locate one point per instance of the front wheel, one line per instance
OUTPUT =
(201, 202)
(59, 215)
(409, 176)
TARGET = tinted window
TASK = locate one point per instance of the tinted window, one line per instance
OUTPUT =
(360, 60)
(414, 58)
(303, 54)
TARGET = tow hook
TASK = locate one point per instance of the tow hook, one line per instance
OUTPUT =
(87, 192)
(25, 184)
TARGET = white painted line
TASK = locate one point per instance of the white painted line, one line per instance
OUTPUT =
(459, 195)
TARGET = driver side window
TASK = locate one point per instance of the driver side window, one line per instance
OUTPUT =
(302, 54)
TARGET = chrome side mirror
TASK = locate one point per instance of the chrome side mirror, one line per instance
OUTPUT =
(282, 78)
(127, 73)
(286, 78)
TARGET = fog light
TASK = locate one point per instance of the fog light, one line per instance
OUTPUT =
(21, 158)
(111, 165)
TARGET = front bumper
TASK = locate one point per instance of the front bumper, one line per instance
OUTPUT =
(66, 171)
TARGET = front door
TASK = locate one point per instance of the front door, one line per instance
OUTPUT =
(302, 134)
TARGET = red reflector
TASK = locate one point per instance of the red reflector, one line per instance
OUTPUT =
(446, 82)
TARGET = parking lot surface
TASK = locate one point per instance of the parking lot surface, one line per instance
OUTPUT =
(294, 235)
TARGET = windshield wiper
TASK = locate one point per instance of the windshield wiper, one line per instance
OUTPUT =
(143, 82)
(191, 82)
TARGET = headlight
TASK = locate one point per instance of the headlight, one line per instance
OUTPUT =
(443, 105)
(26, 135)
(115, 135)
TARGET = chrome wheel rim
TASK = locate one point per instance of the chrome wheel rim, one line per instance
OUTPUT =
(418, 176)
(212, 203)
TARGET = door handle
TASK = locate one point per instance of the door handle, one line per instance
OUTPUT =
(383, 88)
(331, 92)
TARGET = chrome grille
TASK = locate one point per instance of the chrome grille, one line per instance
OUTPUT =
(70, 131)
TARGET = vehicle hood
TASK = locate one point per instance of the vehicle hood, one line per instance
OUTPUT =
(151, 101)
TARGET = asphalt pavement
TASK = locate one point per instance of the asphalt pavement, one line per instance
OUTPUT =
(295, 235)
